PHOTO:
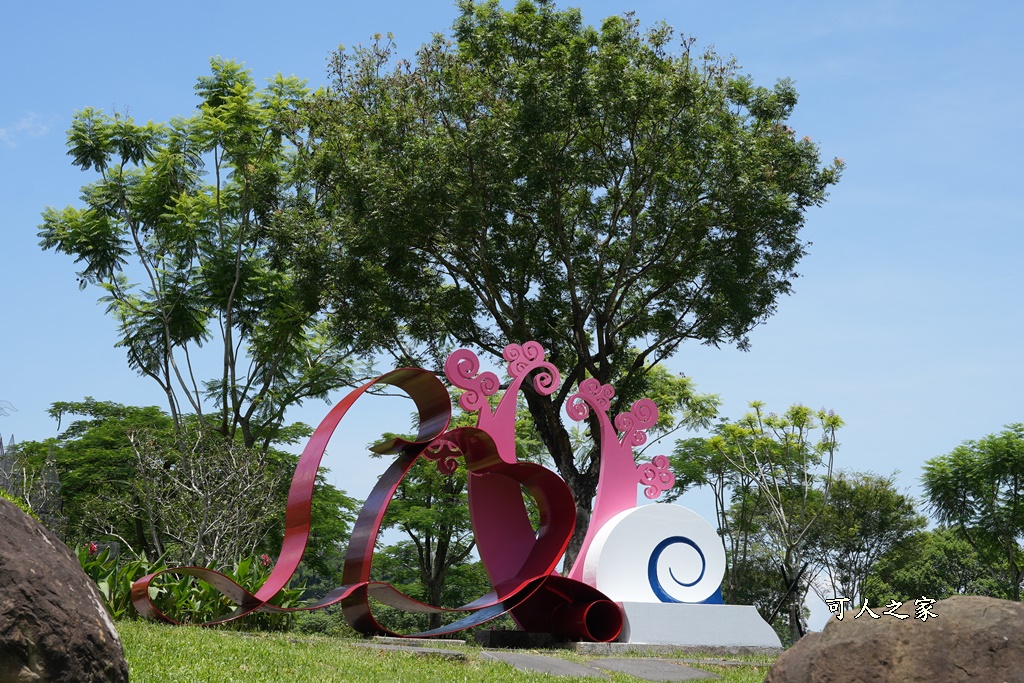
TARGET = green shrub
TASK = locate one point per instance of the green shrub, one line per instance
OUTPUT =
(21, 504)
(114, 577)
(325, 622)
(184, 598)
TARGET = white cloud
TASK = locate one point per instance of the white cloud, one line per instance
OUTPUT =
(30, 125)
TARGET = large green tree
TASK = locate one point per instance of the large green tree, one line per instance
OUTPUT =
(538, 178)
(179, 229)
(978, 489)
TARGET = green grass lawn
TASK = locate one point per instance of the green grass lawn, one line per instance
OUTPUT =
(164, 654)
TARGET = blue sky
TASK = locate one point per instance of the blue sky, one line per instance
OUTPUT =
(907, 320)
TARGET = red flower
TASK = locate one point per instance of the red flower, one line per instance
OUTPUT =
(93, 548)
(265, 560)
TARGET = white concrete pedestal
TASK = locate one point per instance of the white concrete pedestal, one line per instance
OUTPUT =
(665, 623)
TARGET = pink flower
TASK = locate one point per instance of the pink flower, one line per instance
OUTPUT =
(265, 560)
(93, 548)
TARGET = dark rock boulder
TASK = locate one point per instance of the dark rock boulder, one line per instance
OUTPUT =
(53, 625)
(972, 638)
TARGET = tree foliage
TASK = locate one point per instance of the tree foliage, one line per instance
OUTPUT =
(179, 231)
(934, 564)
(431, 509)
(978, 489)
(865, 518)
(208, 502)
(125, 478)
(778, 469)
(537, 178)
(97, 469)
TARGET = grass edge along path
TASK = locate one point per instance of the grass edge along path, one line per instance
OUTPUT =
(157, 653)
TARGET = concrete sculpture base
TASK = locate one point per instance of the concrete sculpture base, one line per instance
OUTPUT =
(663, 623)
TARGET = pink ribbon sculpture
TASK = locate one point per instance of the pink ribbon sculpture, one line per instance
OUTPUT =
(520, 561)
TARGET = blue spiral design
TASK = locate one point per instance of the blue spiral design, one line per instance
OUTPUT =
(652, 567)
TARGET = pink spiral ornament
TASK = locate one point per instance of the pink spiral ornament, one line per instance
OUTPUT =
(527, 358)
(445, 454)
(591, 392)
(461, 368)
(657, 476)
(635, 423)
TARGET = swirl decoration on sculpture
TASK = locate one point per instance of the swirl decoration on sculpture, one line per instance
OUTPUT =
(656, 476)
(635, 422)
(591, 394)
(461, 368)
(619, 473)
(444, 453)
(520, 561)
(657, 553)
(529, 358)
(654, 564)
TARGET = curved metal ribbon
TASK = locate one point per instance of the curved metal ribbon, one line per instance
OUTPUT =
(539, 600)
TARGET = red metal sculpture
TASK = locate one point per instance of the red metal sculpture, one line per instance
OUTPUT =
(519, 560)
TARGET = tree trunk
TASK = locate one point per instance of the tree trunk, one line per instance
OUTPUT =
(796, 630)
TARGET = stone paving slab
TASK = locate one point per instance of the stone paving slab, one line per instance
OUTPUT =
(653, 669)
(653, 650)
(422, 651)
(420, 642)
(544, 664)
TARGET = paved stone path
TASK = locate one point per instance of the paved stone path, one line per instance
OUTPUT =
(543, 664)
(650, 669)
(424, 651)
(647, 669)
(653, 669)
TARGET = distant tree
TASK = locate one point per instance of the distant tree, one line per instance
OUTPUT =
(978, 489)
(399, 565)
(933, 564)
(209, 502)
(760, 586)
(179, 231)
(126, 479)
(431, 509)
(789, 464)
(537, 178)
(97, 469)
(35, 488)
(865, 518)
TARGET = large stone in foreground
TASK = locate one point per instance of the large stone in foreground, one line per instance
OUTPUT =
(972, 639)
(53, 625)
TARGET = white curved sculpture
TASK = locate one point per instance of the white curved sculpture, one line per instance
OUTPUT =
(656, 553)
